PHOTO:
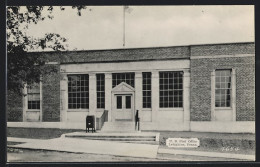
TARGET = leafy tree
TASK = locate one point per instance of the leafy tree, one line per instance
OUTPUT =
(22, 68)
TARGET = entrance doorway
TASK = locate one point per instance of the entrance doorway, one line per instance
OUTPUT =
(124, 108)
(123, 103)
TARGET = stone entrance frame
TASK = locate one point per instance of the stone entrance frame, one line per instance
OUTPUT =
(122, 89)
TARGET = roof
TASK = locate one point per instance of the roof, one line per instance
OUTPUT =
(129, 54)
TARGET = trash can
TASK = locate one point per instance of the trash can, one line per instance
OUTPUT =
(90, 123)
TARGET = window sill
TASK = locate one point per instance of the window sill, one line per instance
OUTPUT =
(223, 108)
(78, 110)
(146, 109)
(100, 109)
(33, 110)
(171, 109)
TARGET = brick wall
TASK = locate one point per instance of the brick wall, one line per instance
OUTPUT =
(115, 55)
(14, 107)
(222, 49)
(201, 81)
(51, 96)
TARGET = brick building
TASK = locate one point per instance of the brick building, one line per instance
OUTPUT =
(182, 88)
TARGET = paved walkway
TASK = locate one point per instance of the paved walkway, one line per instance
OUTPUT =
(90, 146)
(114, 148)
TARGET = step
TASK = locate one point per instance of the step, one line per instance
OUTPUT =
(111, 136)
(122, 126)
(116, 138)
(111, 125)
(141, 142)
(133, 137)
(119, 126)
(120, 122)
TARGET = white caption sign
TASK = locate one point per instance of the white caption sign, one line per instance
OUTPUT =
(183, 142)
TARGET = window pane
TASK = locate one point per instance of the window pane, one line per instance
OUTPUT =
(180, 104)
(119, 102)
(128, 102)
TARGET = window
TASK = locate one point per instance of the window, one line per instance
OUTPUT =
(171, 89)
(33, 92)
(100, 91)
(78, 91)
(147, 90)
(128, 78)
(127, 102)
(119, 102)
(223, 88)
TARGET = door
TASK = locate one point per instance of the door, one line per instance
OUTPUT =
(124, 107)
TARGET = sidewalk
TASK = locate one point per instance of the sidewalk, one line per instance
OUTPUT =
(90, 146)
(115, 148)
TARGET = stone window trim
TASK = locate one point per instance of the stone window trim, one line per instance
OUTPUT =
(33, 97)
(25, 102)
(232, 98)
(171, 109)
(78, 110)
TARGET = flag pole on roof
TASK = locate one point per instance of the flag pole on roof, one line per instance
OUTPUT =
(128, 10)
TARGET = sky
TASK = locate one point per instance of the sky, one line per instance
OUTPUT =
(101, 27)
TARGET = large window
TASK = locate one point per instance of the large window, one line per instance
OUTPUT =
(147, 90)
(171, 89)
(222, 88)
(78, 91)
(33, 92)
(100, 91)
(128, 78)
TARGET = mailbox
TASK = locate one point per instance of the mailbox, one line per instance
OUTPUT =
(90, 123)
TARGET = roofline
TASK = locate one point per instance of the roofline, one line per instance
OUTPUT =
(120, 61)
(114, 49)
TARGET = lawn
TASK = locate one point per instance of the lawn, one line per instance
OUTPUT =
(38, 133)
(240, 143)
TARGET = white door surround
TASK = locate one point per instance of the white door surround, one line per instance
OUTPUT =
(123, 106)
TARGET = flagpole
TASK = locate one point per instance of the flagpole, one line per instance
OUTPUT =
(123, 26)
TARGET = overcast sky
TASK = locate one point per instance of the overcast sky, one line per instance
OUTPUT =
(149, 26)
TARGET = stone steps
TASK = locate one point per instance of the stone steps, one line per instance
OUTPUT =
(116, 138)
(111, 136)
(122, 126)
(136, 137)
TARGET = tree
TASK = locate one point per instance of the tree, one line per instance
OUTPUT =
(22, 68)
